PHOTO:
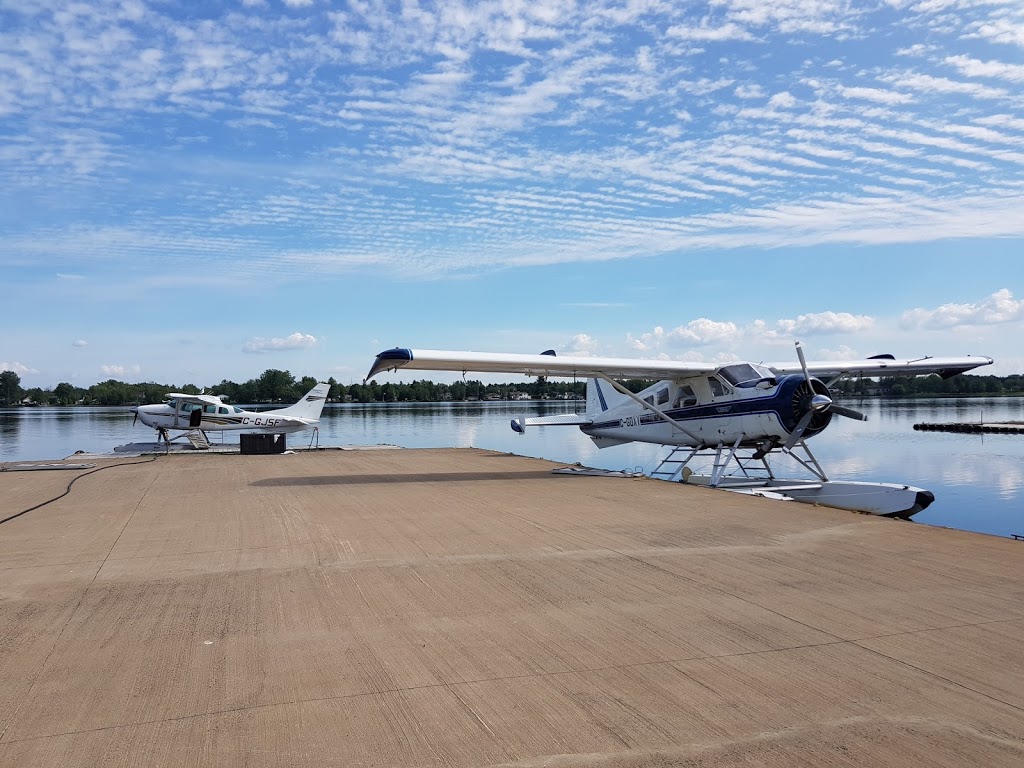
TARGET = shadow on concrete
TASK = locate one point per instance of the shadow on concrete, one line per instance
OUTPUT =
(421, 477)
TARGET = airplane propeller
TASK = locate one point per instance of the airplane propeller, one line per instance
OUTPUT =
(818, 403)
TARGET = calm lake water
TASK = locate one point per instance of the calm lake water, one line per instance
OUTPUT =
(977, 479)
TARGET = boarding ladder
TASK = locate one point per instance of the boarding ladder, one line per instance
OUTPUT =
(198, 440)
(671, 465)
(725, 461)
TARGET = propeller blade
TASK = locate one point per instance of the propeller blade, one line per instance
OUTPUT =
(849, 413)
(135, 418)
(803, 361)
(801, 427)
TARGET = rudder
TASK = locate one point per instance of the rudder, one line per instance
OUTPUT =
(310, 406)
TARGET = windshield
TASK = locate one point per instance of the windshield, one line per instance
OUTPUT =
(741, 372)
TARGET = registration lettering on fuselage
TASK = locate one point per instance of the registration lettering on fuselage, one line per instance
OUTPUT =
(261, 422)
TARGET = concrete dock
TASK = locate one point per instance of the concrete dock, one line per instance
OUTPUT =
(462, 607)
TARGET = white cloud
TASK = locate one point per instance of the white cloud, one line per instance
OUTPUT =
(581, 345)
(16, 367)
(709, 34)
(880, 95)
(995, 69)
(699, 332)
(996, 309)
(120, 370)
(79, 343)
(824, 322)
(294, 341)
(725, 336)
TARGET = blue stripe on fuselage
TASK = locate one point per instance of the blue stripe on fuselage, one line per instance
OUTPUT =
(778, 403)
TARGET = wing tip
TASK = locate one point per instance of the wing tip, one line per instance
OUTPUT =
(389, 358)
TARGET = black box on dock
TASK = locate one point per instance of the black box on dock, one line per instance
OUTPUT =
(261, 444)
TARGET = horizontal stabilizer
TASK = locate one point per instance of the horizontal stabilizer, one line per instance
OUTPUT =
(561, 420)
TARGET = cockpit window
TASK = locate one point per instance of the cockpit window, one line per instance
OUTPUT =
(222, 410)
(741, 372)
(717, 388)
(237, 409)
(662, 396)
(173, 404)
(210, 408)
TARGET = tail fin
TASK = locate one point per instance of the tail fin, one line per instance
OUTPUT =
(600, 397)
(310, 406)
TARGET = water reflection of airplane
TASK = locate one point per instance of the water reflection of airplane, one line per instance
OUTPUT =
(207, 413)
(724, 419)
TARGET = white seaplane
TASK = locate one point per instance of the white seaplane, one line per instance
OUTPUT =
(724, 419)
(195, 415)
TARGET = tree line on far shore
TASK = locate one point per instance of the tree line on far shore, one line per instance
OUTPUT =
(275, 386)
(281, 387)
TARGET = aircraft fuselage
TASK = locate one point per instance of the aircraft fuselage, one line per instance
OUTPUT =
(216, 418)
(709, 409)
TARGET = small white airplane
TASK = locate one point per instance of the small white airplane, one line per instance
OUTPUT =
(730, 417)
(206, 413)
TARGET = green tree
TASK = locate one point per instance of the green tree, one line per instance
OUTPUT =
(10, 388)
(274, 385)
(39, 395)
(111, 392)
(65, 394)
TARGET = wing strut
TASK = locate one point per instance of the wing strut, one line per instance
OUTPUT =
(644, 404)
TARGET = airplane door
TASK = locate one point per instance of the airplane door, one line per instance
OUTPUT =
(196, 418)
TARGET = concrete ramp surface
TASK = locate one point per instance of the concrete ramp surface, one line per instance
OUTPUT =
(468, 608)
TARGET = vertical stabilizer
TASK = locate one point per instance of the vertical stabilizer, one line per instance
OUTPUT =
(310, 406)
(598, 393)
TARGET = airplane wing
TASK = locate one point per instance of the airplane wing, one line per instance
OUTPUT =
(626, 368)
(198, 399)
(887, 365)
(534, 365)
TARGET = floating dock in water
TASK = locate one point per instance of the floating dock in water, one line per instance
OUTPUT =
(462, 607)
(997, 427)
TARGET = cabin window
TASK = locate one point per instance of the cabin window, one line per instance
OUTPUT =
(210, 408)
(662, 396)
(222, 410)
(649, 399)
(717, 388)
(685, 397)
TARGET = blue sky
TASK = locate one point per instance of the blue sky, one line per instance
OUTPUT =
(192, 191)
